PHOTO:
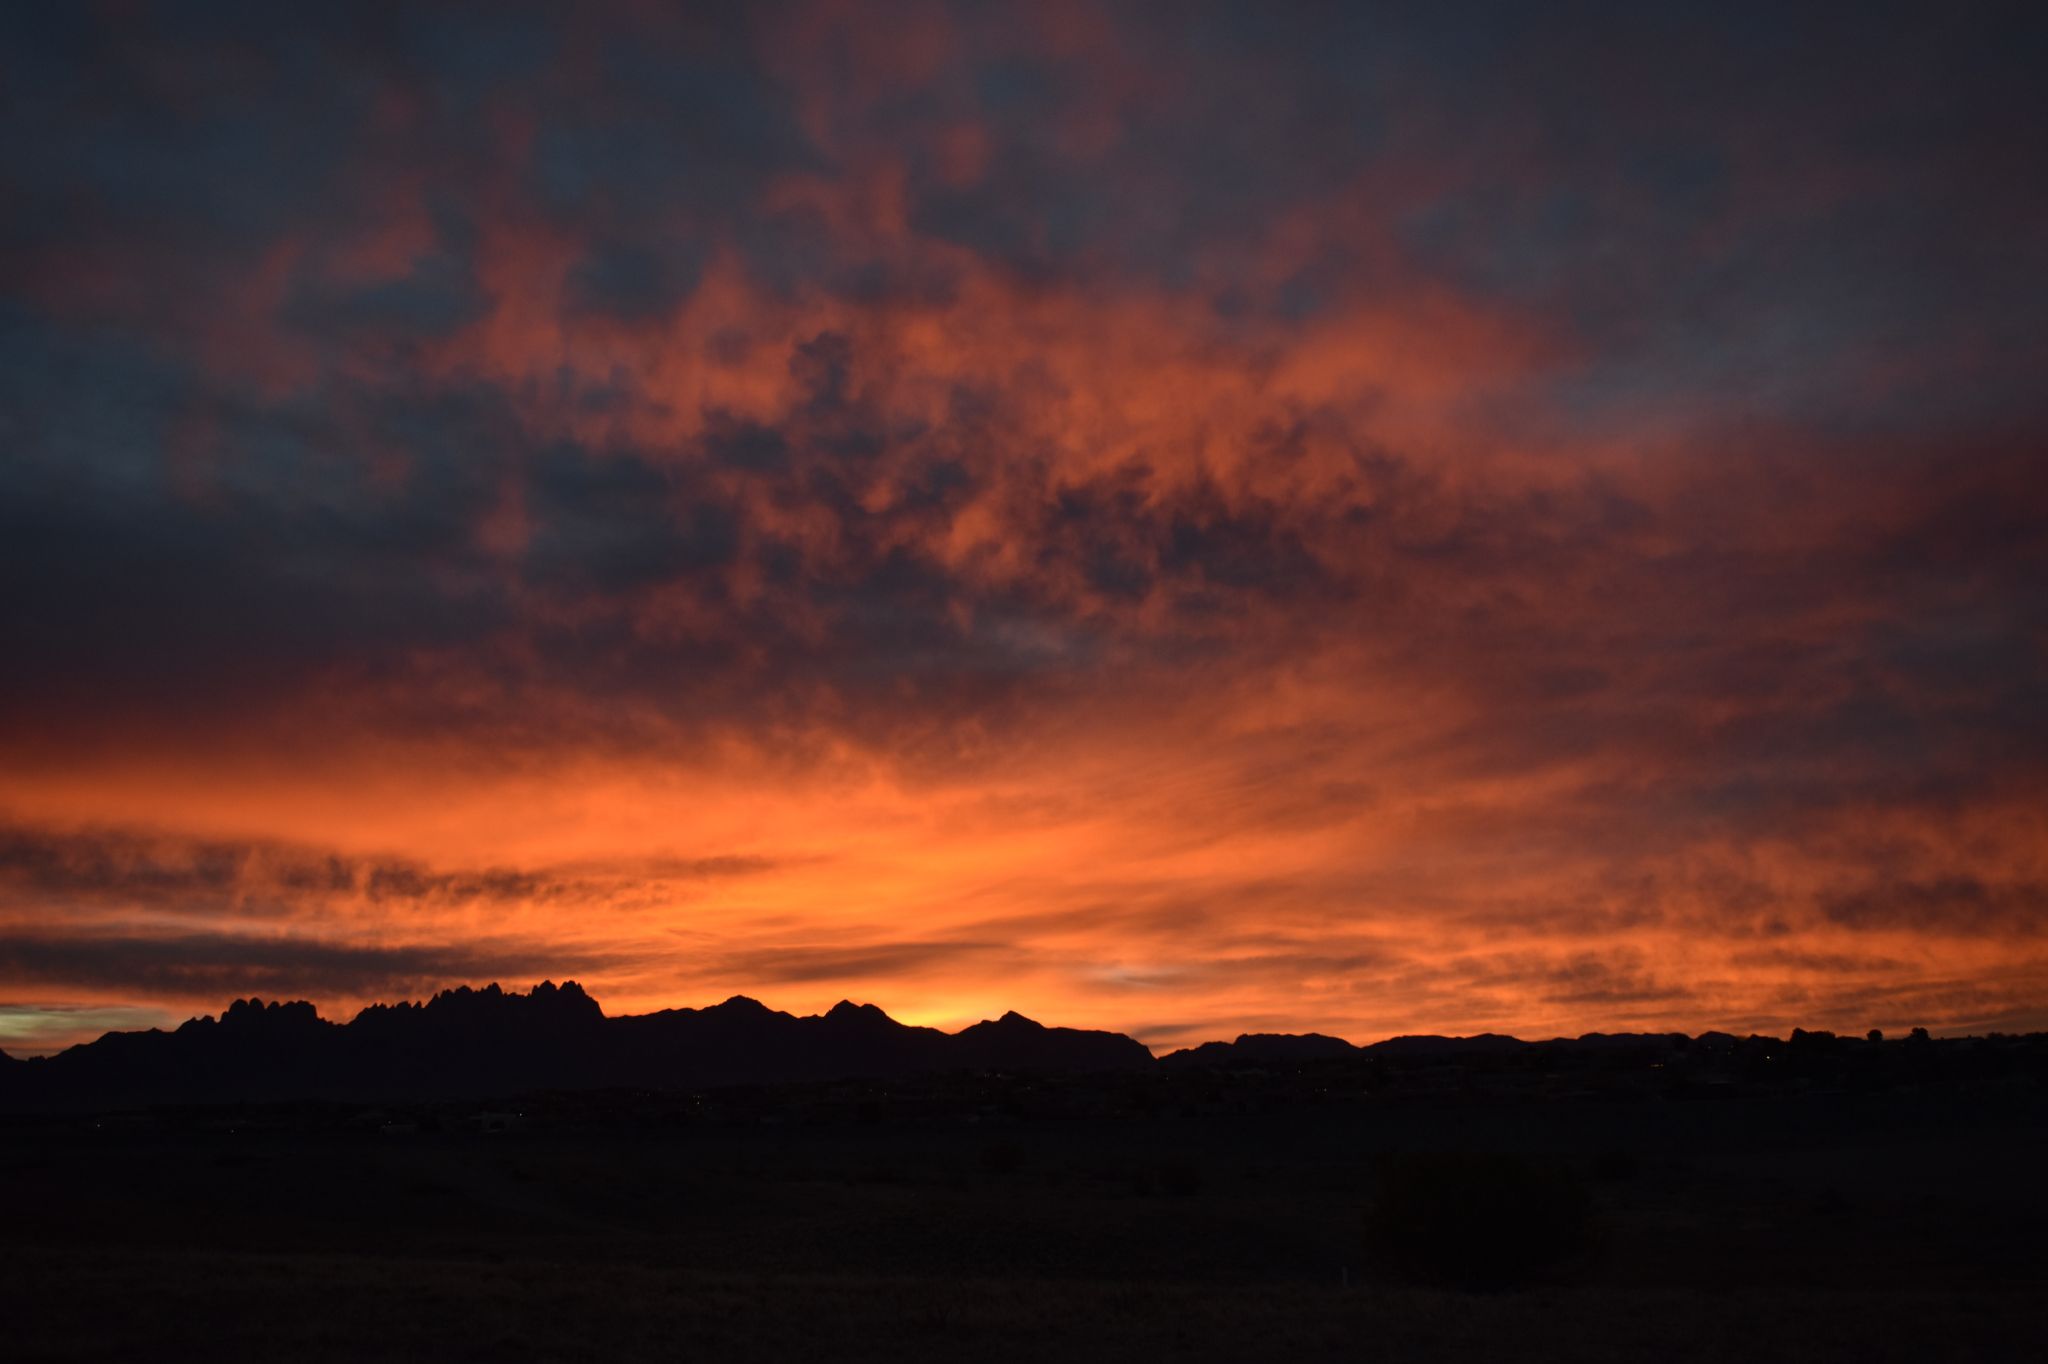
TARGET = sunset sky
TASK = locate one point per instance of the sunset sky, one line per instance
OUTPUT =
(1180, 518)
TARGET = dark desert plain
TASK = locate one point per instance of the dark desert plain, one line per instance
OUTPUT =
(1080, 681)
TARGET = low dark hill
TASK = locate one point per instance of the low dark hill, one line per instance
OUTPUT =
(480, 1043)
(1263, 1049)
(1014, 1042)
(1486, 1043)
(1297, 1049)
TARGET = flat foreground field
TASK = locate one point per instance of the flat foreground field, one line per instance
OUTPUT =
(1788, 1228)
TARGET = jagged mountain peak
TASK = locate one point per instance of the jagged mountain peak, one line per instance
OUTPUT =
(471, 1041)
(254, 1013)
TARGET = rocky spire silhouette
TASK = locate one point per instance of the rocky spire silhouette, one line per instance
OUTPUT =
(466, 1042)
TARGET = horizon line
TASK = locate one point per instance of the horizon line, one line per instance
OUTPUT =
(1158, 1050)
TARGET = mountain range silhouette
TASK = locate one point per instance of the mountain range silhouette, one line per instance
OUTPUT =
(466, 1043)
(480, 1043)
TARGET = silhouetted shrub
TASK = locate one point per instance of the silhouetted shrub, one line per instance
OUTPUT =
(1477, 1221)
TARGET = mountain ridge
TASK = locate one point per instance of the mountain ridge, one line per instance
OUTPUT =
(469, 1042)
(465, 1042)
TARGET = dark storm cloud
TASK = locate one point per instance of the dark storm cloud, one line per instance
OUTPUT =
(1956, 904)
(634, 281)
(292, 558)
(613, 521)
(291, 561)
(78, 872)
(111, 131)
(214, 966)
(1192, 167)
(1588, 979)
(725, 127)
(438, 294)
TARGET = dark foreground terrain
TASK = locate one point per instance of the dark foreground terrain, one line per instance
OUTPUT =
(1283, 1213)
